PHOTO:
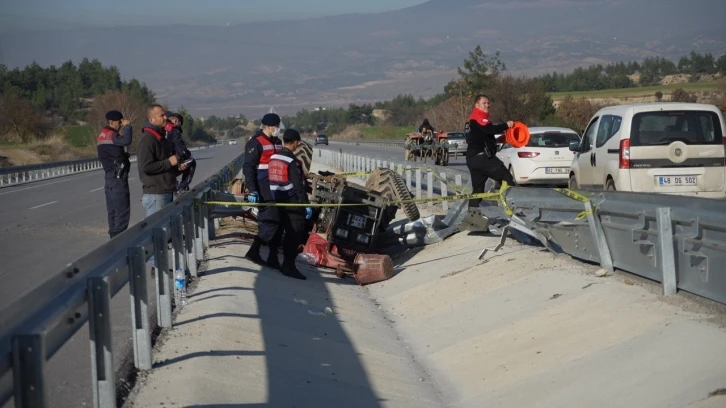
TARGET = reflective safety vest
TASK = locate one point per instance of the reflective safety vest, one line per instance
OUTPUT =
(268, 149)
(279, 173)
(106, 136)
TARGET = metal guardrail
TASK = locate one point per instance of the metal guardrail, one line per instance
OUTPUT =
(381, 143)
(16, 175)
(676, 240)
(36, 326)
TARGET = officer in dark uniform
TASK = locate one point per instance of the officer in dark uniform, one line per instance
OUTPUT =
(481, 151)
(111, 146)
(287, 185)
(258, 151)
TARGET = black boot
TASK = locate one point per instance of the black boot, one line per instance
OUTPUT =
(290, 270)
(272, 260)
(254, 252)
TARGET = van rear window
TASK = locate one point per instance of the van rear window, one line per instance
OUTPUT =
(665, 127)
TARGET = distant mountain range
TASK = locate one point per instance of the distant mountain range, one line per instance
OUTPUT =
(359, 58)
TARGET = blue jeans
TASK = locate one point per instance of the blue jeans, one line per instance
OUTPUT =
(154, 203)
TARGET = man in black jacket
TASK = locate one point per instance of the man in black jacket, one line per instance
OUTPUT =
(258, 151)
(111, 146)
(173, 130)
(287, 185)
(481, 151)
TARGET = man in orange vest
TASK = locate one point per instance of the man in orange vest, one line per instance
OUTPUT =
(258, 151)
(287, 184)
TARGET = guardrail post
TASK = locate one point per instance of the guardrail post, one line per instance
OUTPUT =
(457, 180)
(211, 226)
(665, 251)
(606, 261)
(28, 364)
(408, 178)
(103, 378)
(385, 164)
(392, 166)
(163, 278)
(139, 308)
(189, 232)
(378, 163)
(177, 256)
(205, 220)
(198, 222)
(430, 186)
(418, 184)
(444, 192)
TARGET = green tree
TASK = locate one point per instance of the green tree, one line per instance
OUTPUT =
(480, 70)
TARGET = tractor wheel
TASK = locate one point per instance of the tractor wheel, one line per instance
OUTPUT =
(304, 153)
(392, 186)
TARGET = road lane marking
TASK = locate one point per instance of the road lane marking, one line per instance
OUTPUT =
(43, 205)
(96, 189)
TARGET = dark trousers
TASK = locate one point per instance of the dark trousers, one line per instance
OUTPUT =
(187, 175)
(482, 168)
(293, 223)
(268, 218)
(118, 204)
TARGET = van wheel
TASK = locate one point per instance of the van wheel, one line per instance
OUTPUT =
(572, 184)
(610, 185)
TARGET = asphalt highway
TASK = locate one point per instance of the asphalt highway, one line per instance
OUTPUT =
(48, 224)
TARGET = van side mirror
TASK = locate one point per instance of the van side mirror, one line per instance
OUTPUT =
(575, 146)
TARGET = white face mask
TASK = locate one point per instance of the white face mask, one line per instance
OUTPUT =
(276, 133)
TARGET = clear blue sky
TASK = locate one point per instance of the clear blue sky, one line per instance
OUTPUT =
(81, 12)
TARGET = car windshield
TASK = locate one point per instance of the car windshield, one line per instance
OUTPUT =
(552, 139)
(662, 128)
(456, 136)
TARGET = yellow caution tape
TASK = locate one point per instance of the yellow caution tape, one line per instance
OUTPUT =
(579, 197)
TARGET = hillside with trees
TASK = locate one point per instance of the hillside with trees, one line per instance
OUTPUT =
(517, 97)
(53, 113)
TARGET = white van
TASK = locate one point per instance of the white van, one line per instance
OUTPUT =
(670, 148)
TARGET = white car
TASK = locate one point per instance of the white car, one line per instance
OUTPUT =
(545, 160)
(232, 142)
(667, 147)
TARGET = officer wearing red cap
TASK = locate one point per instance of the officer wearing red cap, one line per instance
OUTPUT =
(258, 151)
(481, 149)
(111, 146)
(287, 185)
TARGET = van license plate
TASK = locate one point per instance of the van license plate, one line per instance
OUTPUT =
(557, 170)
(677, 180)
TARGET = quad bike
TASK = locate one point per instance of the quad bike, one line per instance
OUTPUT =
(427, 145)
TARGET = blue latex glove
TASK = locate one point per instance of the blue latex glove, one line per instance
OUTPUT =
(253, 197)
(308, 213)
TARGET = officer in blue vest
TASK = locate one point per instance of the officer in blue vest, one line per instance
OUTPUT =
(111, 146)
(287, 185)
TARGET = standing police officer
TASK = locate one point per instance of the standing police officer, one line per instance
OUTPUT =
(258, 152)
(287, 185)
(481, 149)
(111, 146)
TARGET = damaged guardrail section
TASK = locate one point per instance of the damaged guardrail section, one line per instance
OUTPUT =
(676, 240)
(36, 326)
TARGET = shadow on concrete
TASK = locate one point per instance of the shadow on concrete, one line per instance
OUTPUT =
(214, 315)
(311, 361)
(204, 292)
(210, 353)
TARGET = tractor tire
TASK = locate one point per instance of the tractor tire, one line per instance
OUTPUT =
(392, 186)
(304, 153)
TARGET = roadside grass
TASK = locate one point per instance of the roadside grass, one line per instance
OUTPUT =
(79, 135)
(373, 133)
